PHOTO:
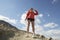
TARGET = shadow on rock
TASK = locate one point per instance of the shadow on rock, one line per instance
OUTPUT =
(6, 34)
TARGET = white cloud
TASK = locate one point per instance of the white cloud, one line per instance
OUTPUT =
(37, 20)
(22, 20)
(40, 15)
(53, 33)
(57, 32)
(38, 29)
(7, 19)
(54, 1)
(51, 25)
(48, 15)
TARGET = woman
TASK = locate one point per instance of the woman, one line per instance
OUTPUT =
(31, 18)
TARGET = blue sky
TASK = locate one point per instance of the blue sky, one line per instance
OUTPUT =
(48, 20)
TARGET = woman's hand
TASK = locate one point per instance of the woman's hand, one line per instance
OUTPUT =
(35, 10)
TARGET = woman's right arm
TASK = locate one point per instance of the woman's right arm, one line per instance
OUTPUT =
(36, 12)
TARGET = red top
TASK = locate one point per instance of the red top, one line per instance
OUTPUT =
(31, 14)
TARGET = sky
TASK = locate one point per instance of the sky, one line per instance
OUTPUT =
(47, 23)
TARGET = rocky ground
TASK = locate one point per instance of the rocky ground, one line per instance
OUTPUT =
(9, 32)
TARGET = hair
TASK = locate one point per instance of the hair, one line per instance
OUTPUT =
(31, 8)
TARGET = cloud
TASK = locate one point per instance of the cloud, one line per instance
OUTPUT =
(22, 20)
(51, 25)
(40, 15)
(53, 33)
(48, 15)
(8, 19)
(37, 20)
(54, 1)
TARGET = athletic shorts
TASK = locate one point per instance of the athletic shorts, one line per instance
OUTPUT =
(30, 19)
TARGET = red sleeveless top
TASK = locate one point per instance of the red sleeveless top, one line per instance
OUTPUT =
(31, 14)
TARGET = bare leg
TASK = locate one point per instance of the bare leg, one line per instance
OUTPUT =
(33, 28)
(28, 26)
(27, 34)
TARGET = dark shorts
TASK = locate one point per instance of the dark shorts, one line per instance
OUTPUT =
(30, 19)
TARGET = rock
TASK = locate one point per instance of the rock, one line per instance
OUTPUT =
(9, 32)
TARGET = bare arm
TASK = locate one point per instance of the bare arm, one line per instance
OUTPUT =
(36, 12)
(27, 15)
